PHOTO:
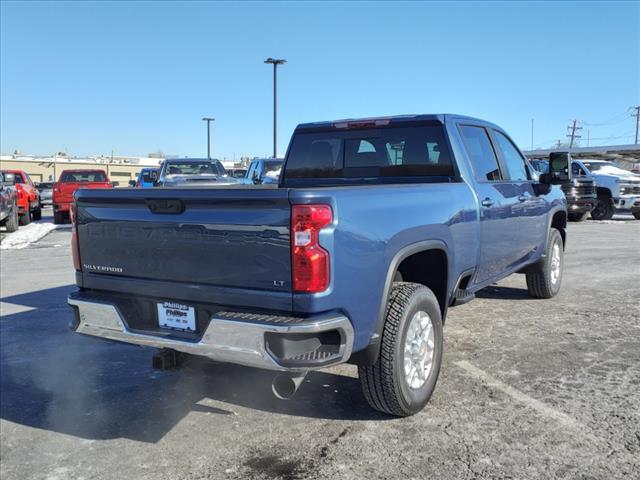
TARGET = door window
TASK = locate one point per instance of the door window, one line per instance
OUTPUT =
(514, 161)
(483, 158)
(576, 170)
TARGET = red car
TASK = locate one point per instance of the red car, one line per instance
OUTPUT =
(69, 182)
(29, 207)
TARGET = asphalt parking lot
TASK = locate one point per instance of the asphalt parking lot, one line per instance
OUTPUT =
(528, 389)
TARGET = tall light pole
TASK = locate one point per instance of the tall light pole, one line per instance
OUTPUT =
(275, 62)
(208, 120)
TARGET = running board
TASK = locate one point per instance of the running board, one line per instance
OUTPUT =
(462, 296)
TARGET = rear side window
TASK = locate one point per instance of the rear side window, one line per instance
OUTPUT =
(513, 159)
(483, 158)
(389, 152)
(87, 176)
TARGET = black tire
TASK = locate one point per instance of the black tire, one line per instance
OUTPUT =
(636, 215)
(12, 221)
(540, 278)
(384, 383)
(37, 214)
(58, 218)
(25, 218)
(604, 208)
(578, 217)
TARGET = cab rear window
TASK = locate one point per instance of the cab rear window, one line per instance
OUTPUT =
(417, 151)
(83, 177)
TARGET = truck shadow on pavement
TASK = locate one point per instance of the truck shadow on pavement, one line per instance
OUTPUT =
(504, 293)
(55, 380)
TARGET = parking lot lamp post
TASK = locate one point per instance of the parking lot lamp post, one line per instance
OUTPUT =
(275, 62)
(208, 120)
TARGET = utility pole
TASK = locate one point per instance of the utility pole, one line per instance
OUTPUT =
(573, 128)
(275, 62)
(208, 120)
(637, 115)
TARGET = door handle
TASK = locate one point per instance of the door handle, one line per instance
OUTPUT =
(487, 202)
(524, 197)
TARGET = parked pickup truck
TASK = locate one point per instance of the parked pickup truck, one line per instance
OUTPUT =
(8, 202)
(29, 207)
(618, 189)
(263, 171)
(193, 173)
(68, 183)
(580, 190)
(376, 228)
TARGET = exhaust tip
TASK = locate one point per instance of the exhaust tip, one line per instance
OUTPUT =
(285, 386)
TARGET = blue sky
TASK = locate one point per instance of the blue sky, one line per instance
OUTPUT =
(138, 77)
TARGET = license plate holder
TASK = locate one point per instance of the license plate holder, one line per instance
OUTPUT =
(176, 316)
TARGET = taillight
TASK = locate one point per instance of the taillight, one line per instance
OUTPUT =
(309, 261)
(75, 250)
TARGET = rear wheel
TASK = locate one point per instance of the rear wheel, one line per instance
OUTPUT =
(25, 218)
(58, 218)
(604, 208)
(12, 221)
(636, 215)
(37, 213)
(545, 277)
(404, 376)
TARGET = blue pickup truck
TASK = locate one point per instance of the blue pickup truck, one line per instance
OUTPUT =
(376, 228)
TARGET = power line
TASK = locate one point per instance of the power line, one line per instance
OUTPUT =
(621, 117)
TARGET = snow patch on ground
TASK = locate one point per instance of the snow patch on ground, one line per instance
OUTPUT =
(26, 235)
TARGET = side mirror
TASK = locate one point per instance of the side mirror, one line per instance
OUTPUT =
(9, 179)
(543, 186)
(559, 167)
(132, 183)
(255, 178)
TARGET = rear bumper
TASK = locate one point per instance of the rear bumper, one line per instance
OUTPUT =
(254, 340)
(61, 207)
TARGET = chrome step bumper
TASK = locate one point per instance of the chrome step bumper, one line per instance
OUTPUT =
(231, 337)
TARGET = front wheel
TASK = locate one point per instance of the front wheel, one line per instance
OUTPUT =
(637, 215)
(404, 376)
(37, 213)
(604, 208)
(25, 218)
(545, 277)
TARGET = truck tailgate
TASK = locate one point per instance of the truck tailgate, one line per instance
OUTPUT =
(232, 238)
(63, 191)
